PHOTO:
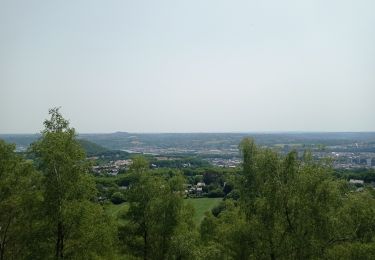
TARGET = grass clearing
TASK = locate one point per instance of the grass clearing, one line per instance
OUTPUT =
(115, 211)
(201, 206)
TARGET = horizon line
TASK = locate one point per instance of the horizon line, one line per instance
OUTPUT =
(208, 132)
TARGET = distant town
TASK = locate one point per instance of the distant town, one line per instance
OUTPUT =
(344, 150)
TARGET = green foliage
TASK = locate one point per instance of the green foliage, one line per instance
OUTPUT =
(212, 176)
(139, 165)
(91, 148)
(117, 198)
(215, 193)
(74, 223)
(367, 175)
(156, 214)
(20, 199)
(290, 209)
(277, 207)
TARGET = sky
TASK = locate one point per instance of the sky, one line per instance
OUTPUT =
(188, 66)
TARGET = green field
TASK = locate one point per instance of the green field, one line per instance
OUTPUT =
(201, 206)
(116, 210)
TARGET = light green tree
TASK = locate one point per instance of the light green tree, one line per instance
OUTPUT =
(354, 237)
(291, 208)
(155, 216)
(291, 204)
(77, 225)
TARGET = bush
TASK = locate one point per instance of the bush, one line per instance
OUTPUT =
(217, 193)
(234, 194)
(117, 198)
(218, 209)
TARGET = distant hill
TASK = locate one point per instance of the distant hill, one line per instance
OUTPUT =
(209, 141)
(91, 148)
(22, 141)
(191, 143)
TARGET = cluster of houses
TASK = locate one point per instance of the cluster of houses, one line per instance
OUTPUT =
(112, 168)
(350, 160)
(360, 184)
(194, 190)
(225, 163)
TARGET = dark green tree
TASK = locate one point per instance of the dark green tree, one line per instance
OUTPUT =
(20, 200)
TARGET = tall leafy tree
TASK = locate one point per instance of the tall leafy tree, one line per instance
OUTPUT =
(19, 203)
(76, 223)
(291, 209)
(291, 204)
(155, 215)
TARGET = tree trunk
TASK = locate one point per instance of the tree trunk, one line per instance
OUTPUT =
(145, 256)
(60, 241)
(3, 240)
(2, 252)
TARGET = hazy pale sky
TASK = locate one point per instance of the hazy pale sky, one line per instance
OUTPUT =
(181, 66)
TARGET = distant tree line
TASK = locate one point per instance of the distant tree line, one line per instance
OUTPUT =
(367, 175)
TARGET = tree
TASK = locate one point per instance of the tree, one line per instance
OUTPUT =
(117, 198)
(139, 165)
(19, 203)
(355, 233)
(74, 220)
(291, 209)
(154, 216)
(290, 203)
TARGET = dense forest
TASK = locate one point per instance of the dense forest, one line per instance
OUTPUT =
(275, 207)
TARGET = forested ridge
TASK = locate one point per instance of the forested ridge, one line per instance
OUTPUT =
(285, 208)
